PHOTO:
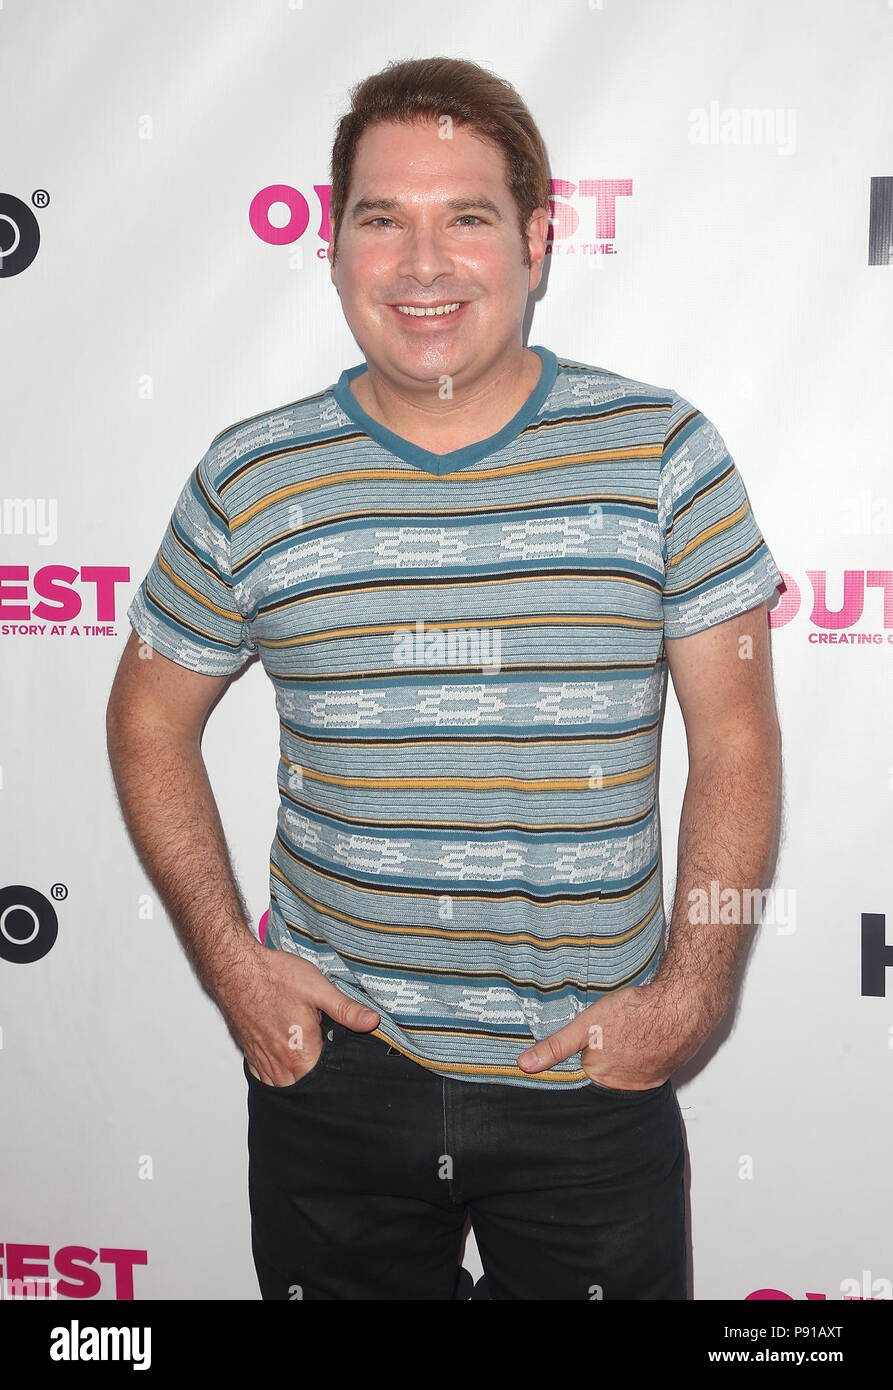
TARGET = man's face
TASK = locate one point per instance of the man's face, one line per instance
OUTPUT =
(442, 229)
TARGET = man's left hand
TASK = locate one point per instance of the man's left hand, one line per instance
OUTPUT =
(631, 1040)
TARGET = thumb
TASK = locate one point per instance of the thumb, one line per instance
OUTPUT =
(555, 1048)
(339, 1006)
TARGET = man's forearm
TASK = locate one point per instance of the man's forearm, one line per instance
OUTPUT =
(727, 836)
(172, 816)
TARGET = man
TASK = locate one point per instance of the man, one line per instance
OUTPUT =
(466, 567)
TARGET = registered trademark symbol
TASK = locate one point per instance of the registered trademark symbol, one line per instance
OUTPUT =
(40, 198)
(59, 892)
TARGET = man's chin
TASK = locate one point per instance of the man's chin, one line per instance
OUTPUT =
(417, 362)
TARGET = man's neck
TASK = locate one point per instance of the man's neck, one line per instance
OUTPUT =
(442, 426)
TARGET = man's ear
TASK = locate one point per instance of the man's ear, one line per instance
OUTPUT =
(537, 240)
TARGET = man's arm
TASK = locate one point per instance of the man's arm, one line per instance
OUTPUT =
(729, 824)
(156, 712)
(635, 1038)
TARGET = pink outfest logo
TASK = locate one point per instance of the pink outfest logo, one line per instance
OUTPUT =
(281, 214)
(58, 600)
(852, 1290)
(594, 207)
(297, 213)
(69, 1271)
(858, 598)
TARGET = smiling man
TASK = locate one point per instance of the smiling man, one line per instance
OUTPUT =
(467, 567)
(434, 284)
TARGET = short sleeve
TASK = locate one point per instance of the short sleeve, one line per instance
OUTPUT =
(716, 562)
(186, 607)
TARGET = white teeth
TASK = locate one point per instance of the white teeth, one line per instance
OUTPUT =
(422, 313)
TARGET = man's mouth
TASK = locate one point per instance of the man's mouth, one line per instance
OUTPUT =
(429, 311)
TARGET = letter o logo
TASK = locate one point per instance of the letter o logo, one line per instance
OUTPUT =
(259, 214)
(28, 924)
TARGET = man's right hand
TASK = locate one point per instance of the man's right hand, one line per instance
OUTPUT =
(272, 1007)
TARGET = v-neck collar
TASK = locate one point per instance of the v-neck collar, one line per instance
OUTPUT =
(458, 458)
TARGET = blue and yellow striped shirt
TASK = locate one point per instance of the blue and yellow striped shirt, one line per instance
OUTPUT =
(467, 652)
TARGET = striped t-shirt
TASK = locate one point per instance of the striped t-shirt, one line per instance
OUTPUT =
(467, 651)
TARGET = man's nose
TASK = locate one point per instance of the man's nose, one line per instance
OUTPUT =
(425, 255)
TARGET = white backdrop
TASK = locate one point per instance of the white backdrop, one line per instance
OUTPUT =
(744, 138)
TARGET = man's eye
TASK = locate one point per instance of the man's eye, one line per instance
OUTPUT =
(465, 216)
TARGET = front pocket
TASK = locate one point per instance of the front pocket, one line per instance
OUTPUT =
(327, 1030)
(624, 1094)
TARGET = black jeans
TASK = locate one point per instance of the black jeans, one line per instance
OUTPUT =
(362, 1174)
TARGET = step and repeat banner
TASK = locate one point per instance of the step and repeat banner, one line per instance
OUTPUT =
(722, 180)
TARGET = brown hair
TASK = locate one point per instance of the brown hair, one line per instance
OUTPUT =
(420, 89)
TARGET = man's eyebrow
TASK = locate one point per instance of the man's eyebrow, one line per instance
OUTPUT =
(479, 203)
